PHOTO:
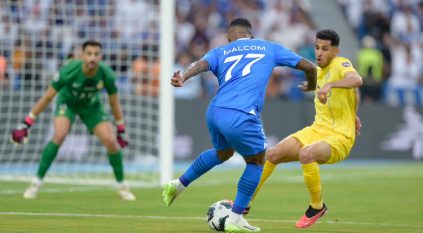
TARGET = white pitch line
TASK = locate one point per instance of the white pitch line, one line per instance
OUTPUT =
(165, 218)
(51, 190)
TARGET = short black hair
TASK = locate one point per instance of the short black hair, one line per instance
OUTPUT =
(241, 22)
(91, 43)
(329, 34)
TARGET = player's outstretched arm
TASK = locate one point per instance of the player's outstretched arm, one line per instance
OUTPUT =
(311, 75)
(118, 115)
(351, 80)
(194, 69)
(21, 132)
(44, 101)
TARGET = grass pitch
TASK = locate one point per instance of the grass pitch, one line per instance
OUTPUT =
(363, 197)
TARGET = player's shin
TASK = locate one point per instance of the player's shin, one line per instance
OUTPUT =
(202, 164)
(47, 157)
(246, 186)
(311, 174)
(267, 172)
(115, 160)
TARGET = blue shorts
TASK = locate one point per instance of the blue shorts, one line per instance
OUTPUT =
(231, 128)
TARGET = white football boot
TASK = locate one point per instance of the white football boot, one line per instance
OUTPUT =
(33, 188)
(125, 193)
(236, 223)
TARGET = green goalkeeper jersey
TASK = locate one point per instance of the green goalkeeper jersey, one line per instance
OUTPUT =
(76, 89)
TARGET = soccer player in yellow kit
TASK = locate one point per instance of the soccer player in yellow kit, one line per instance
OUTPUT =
(331, 136)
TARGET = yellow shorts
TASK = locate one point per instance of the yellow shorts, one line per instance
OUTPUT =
(339, 144)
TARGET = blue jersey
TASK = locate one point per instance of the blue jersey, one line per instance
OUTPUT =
(243, 68)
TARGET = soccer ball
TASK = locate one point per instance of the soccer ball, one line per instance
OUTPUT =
(218, 213)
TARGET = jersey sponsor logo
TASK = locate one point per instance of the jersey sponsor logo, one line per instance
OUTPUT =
(89, 88)
(76, 85)
(244, 48)
(100, 85)
(346, 64)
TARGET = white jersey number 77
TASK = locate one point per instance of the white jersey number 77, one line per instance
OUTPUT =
(236, 59)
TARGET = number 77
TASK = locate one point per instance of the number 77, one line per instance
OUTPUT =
(236, 59)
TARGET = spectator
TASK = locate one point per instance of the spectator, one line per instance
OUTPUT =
(405, 77)
(146, 73)
(370, 67)
(4, 77)
(405, 25)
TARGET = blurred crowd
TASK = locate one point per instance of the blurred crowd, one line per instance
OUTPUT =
(391, 54)
(201, 26)
(38, 36)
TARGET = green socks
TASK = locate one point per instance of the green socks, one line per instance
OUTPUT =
(47, 157)
(115, 160)
(50, 152)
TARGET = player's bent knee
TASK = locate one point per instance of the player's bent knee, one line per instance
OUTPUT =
(277, 156)
(272, 156)
(111, 144)
(224, 155)
(255, 159)
(59, 138)
(305, 156)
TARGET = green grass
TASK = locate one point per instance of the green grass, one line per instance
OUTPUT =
(360, 197)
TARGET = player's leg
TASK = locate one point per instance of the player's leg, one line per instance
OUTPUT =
(310, 156)
(104, 130)
(247, 184)
(285, 151)
(62, 126)
(244, 132)
(202, 164)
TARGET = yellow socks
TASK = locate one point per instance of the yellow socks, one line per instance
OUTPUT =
(311, 174)
(267, 172)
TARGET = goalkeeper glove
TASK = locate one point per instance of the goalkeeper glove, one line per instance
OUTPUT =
(120, 135)
(21, 132)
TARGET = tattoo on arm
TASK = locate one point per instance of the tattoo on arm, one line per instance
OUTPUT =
(195, 68)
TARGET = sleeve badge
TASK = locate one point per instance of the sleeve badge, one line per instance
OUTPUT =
(346, 64)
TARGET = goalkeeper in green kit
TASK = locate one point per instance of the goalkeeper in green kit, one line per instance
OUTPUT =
(78, 85)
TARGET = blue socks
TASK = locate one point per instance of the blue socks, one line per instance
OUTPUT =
(247, 183)
(247, 186)
(202, 164)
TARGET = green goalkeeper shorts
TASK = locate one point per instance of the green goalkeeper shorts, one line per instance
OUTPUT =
(90, 115)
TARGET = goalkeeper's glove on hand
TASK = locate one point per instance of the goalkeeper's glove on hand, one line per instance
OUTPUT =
(120, 136)
(21, 133)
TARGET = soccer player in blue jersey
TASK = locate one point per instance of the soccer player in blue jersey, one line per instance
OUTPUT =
(243, 68)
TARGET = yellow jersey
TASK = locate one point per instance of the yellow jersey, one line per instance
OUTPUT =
(339, 112)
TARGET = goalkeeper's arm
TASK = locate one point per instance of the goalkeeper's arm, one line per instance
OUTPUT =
(118, 115)
(44, 101)
(20, 133)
